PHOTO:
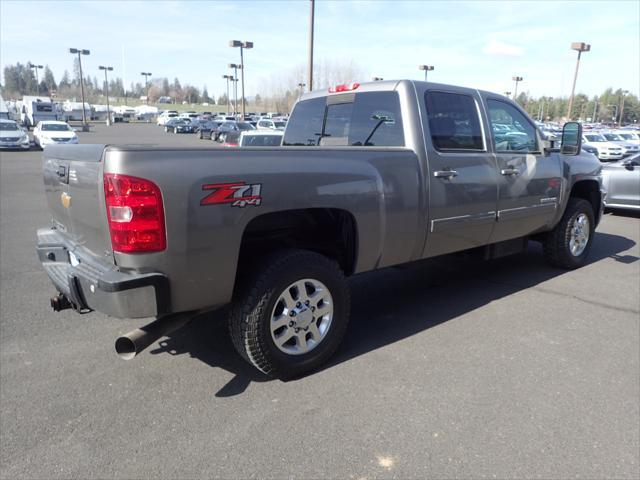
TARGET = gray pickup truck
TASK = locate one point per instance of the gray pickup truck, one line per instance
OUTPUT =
(368, 176)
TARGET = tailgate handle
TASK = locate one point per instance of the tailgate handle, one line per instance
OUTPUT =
(62, 171)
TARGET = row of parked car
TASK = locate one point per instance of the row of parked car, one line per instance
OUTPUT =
(227, 130)
(15, 137)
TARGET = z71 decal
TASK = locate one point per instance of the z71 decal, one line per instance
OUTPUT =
(238, 194)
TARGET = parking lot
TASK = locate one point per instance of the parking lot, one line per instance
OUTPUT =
(455, 368)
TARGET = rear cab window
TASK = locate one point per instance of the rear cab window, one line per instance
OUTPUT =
(367, 119)
(454, 121)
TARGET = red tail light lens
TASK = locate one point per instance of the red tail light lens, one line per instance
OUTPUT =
(344, 88)
(135, 213)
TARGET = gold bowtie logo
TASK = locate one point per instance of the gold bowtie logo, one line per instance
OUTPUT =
(65, 199)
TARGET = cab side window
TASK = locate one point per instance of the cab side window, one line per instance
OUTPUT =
(454, 122)
(512, 131)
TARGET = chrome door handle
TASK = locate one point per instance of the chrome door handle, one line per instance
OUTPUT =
(509, 171)
(445, 174)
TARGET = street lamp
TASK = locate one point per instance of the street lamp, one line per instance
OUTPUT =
(227, 78)
(579, 47)
(515, 91)
(235, 67)
(301, 86)
(507, 94)
(242, 46)
(106, 88)
(80, 52)
(624, 94)
(146, 76)
(426, 68)
(36, 68)
(377, 79)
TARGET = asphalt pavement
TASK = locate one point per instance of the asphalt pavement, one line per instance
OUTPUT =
(453, 369)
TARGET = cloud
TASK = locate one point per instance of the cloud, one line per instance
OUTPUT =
(494, 47)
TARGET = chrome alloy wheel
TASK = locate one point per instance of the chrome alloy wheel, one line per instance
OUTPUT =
(301, 316)
(579, 235)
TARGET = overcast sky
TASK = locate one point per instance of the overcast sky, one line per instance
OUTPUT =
(479, 44)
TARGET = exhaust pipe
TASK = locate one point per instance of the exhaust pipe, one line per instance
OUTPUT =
(134, 342)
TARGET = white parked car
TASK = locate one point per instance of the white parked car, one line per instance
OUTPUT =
(12, 135)
(165, 116)
(261, 138)
(268, 124)
(628, 148)
(48, 132)
(606, 150)
(629, 136)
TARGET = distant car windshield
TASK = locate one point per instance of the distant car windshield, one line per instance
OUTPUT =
(246, 126)
(261, 140)
(595, 138)
(9, 127)
(628, 136)
(55, 127)
(280, 124)
(612, 136)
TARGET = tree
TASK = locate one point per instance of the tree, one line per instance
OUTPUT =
(205, 95)
(65, 81)
(48, 79)
(223, 100)
(165, 87)
(257, 99)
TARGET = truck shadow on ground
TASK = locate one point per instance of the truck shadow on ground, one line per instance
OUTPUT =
(395, 303)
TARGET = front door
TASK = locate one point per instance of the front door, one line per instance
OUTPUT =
(529, 183)
(462, 173)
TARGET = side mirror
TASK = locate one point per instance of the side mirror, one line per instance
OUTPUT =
(571, 138)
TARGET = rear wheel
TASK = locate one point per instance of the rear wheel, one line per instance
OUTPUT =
(290, 315)
(569, 243)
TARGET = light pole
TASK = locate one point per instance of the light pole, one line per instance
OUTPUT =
(80, 52)
(301, 86)
(516, 79)
(426, 68)
(377, 79)
(579, 47)
(624, 94)
(227, 78)
(242, 46)
(106, 89)
(507, 94)
(146, 76)
(615, 114)
(311, 22)
(235, 67)
(36, 68)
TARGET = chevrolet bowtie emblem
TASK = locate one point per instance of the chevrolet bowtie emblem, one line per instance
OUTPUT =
(65, 199)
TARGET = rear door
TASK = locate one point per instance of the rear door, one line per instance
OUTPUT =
(462, 172)
(74, 192)
(529, 182)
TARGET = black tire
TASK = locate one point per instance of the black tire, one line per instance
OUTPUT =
(556, 247)
(255, 300)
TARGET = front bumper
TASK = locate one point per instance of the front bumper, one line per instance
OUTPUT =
(15, 146)
(91, 284)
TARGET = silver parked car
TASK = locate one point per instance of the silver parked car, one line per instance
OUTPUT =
(621, 181)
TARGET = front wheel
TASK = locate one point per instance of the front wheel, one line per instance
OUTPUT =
(290, 315)
(568, 244)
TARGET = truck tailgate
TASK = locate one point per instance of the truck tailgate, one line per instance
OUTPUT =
(74, 191)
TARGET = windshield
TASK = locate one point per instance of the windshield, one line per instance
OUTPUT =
(280, 124)
(261, 140)
(55, 127)
(9, 127)
(612, 136)
(628, 136)
(595, 138)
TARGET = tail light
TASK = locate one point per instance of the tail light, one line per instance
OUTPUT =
(135, 214)
(344, 88)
